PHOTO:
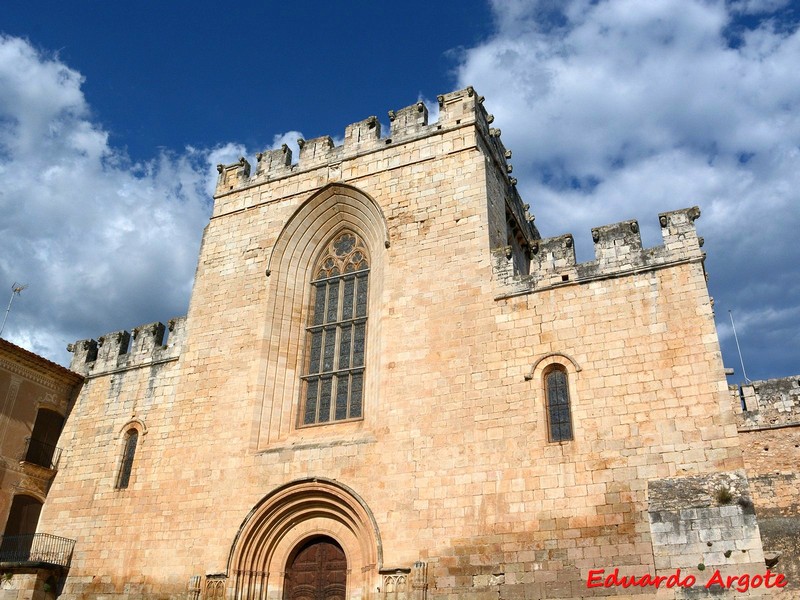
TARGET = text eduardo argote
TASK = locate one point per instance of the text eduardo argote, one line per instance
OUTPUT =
(598, 578)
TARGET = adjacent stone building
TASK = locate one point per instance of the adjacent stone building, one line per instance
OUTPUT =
(37, 396)
(389, 386)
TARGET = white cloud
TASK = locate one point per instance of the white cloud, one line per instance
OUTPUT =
(93, 235)
(620, 109)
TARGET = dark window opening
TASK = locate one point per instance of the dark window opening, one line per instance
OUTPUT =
(124, 477)
(42, 448)
(558, 406)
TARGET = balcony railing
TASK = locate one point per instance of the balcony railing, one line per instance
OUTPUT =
(35, 549)
(41, 453)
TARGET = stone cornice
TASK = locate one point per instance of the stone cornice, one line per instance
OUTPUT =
(57, 379)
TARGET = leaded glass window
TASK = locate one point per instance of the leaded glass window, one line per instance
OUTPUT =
(558, 409)
(124, 477)
(336, 335)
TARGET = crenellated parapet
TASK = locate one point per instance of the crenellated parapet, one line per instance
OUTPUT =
(457, 109)
(618, 251)
(123, 350)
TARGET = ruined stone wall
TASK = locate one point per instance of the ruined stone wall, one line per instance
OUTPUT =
(768, 417)
(449, 484)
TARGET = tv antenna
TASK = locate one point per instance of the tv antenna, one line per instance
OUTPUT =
(16, 290)
(736, 337)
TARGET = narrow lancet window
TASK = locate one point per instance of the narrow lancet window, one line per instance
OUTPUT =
(124, 477)
(558, 409)
(334, 374)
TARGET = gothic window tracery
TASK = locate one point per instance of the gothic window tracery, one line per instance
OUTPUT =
(336, 335)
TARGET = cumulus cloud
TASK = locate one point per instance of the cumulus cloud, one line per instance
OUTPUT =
(94, 235)
(620, 109)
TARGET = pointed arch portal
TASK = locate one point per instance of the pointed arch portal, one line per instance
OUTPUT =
(308, 535)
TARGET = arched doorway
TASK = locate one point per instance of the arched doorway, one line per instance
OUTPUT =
(281, 537)
(318, 571)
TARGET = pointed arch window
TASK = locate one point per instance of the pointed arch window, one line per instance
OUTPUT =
(336, 334)
(559, 417)
(128, 453)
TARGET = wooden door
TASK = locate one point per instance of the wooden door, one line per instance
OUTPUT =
(318, 572)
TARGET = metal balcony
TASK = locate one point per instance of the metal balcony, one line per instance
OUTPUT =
(41, 453)
(35, 550)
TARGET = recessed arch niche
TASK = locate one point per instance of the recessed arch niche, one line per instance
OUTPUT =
(332, 209)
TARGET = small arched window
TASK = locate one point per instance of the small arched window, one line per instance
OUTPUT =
(559, 417)
(128, 453)
(336, 334)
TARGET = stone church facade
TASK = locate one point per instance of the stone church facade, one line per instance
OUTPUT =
(389, 386)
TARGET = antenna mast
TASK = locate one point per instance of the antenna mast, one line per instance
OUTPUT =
(16, 290)
(736, 337)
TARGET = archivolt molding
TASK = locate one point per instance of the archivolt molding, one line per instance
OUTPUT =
(333, 207)
(296, 512)
(135, 423)
(295, 503)
(548, 358)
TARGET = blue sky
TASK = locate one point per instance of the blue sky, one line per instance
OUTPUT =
(113, 116)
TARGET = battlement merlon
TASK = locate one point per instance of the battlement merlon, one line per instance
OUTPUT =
(271, 162)
(115, 351)
(456, 109)
(618, 251)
